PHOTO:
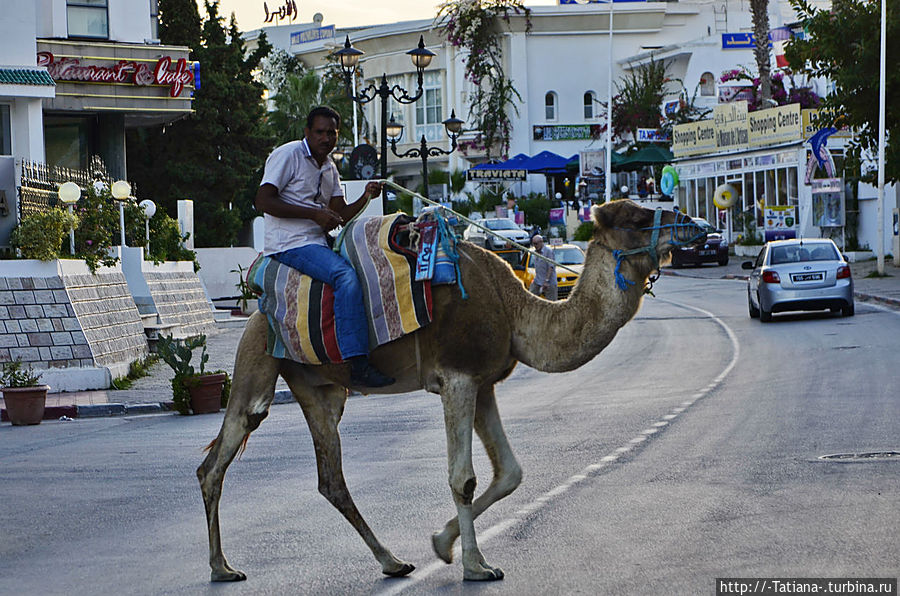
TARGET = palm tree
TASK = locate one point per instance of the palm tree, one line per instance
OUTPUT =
(296, 98)
(759, 9)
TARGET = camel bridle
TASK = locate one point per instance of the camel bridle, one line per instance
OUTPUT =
(681, 233)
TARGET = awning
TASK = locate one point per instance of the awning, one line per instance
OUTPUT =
(648, 156)
(547, 162)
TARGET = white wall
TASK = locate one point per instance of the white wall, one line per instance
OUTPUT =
(17, 27)
(216, 265)
(27, 122)
(129, 20)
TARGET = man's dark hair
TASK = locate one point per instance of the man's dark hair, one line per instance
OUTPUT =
(322, 111)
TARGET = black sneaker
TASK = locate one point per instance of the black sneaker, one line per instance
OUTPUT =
(365, 375)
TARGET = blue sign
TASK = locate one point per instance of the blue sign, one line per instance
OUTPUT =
(312, 34)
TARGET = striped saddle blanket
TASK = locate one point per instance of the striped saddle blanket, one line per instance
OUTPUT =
(300, 310)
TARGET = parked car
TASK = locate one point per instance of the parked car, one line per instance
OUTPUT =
(714, 250)
(808, 274)
(502, 226)
(569, 255)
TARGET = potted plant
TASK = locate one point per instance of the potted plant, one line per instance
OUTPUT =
(247, 300)
(23, 394)
(192, 391)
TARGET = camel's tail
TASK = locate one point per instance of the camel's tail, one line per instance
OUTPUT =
(240, 453)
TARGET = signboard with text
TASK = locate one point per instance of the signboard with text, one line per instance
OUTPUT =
(496, 175)
(566, 132)
(775, 125)
(730, 120)
(694, 138)
(780, 222)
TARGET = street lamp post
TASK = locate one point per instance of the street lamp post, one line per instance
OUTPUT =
(69, 193)
(349, 58)
(149, 209)
(394, 131)
(121, 190)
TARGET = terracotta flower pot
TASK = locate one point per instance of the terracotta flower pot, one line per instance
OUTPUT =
(206, 393)
(25, 405)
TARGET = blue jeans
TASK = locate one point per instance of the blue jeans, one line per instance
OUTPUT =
(322, 263)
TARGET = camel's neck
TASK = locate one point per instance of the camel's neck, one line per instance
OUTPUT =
(560, 336)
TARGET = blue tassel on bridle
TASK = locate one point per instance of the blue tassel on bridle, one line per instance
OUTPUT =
(621, 281)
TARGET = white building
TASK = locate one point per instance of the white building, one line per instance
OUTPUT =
(75, 75)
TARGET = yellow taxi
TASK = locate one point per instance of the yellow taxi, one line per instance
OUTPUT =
(569, 255)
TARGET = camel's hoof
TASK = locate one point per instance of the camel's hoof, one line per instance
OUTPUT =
(404, 570)
(230, 575)
(486, 574)
(443, 548)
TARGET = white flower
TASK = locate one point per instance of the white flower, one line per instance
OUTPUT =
(99, 186)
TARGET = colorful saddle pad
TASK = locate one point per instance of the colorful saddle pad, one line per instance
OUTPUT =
(300, 310)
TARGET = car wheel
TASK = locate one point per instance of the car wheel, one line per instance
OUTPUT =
(723, 262)
(848, 311)
(754, 312)
(765, 316)
(488, 244)
(676, 264)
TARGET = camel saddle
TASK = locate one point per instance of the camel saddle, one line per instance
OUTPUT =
(300, 310)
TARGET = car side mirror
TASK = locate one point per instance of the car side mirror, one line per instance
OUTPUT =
(748, 265)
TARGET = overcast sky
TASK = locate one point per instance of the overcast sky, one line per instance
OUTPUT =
(341, 13)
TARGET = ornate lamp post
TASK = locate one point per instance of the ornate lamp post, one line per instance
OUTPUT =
(349, 58)
(394, 131)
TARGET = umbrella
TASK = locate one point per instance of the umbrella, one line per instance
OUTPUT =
(545, 162)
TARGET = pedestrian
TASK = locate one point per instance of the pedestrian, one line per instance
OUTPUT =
(544, 283)
(301, 198)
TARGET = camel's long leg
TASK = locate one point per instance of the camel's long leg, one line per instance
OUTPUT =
(252, 391)
(507, 472)
(459, 396)
(323, 407)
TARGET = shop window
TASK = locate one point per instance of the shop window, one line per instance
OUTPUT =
(88, 18)
(550, 106)
(707, 84)
(589, 103)
(429, 115)
(5, 133)
(66, 142)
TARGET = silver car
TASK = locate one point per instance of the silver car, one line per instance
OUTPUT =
(506, 228)
(807, 274)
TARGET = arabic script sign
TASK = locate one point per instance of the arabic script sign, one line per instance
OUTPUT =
(123, 71)
(288, 11)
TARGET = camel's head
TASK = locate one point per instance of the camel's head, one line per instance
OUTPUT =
(631, 229)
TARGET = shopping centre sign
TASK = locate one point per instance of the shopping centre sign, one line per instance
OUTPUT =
(175, 74)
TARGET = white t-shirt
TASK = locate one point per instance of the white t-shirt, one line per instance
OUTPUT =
(300, 181)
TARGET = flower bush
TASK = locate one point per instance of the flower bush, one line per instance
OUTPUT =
(806, 97)
(40, 235)
(472, 24)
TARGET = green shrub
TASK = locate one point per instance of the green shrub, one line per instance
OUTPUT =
(40, 235)
(584, 232)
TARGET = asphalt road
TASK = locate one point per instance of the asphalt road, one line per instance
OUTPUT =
(688, 450)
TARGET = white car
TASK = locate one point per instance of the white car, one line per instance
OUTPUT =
(502, 226)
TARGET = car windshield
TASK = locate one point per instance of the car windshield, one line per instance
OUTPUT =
(800, 253)
(500, 224)
(568, 256)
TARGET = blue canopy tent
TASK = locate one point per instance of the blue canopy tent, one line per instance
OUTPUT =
(547, 163)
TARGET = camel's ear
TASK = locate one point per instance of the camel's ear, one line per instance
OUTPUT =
(599, 216)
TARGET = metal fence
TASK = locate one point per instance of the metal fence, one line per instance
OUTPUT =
(40, 183)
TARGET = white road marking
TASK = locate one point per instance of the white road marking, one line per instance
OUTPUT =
(590, 470)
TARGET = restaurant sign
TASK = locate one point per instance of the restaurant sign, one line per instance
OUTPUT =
(174, 74)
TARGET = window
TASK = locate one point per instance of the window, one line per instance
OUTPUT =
(88, 18)
(5, 133)
(707, 84)
(429, 115)
(589, 99)
(550, 106)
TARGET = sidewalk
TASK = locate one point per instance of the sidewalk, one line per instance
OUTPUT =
(153, 393)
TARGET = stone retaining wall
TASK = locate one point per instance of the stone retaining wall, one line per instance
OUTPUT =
(179, 298)
(58, 316)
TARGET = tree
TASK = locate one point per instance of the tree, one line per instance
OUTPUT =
(474, 25)
(214, 156)
(843, 45)
(759, 10)
(297, 96)
(179, 23)
(640, 94)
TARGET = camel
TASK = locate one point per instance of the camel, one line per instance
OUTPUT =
(449, 357)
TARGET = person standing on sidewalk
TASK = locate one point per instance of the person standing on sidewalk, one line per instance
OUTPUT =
(301, 198)
(544, 283)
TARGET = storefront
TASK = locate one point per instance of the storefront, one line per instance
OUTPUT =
(102, 88)
(766, 159)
